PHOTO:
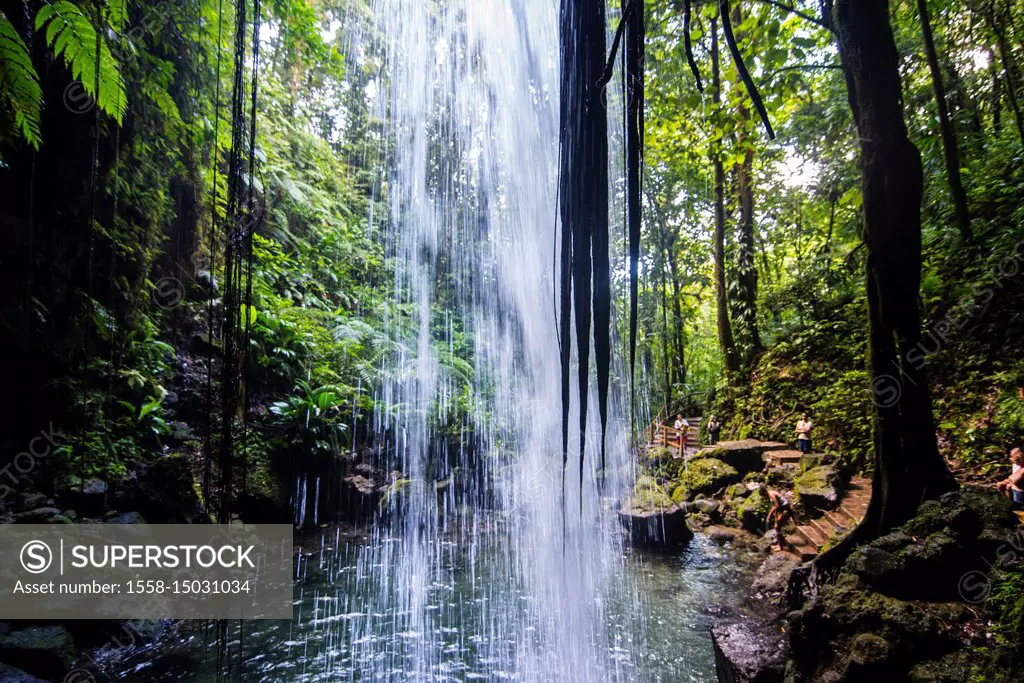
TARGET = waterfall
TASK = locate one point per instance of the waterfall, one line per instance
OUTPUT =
(499, 572)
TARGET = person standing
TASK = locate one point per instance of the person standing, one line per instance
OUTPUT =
(714, 429)
(682, 428)
(803, 433)
(1013, 485)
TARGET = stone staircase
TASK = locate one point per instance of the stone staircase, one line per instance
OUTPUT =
(811, 537)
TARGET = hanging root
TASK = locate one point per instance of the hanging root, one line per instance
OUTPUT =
(741, 67)
(688, 46)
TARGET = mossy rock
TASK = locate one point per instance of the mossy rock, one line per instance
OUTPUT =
(661, 463)
(819, 488)
(746, 455)
(266, 497)
(705, 476)
(648, 496)
(737, 491)
(753, 510)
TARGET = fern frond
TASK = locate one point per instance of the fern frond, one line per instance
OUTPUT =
(19, 83)
(71, 35)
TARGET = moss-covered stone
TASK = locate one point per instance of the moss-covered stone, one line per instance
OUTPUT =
(705, 476)
(819, 487)
(746, 455)
(753, 510)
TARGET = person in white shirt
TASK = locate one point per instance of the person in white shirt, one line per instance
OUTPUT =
(803, 433)
(683, 427)
(1013, 485)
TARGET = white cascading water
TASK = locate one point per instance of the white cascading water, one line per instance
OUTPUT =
(529, 583)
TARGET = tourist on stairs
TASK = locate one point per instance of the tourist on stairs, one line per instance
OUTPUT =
(682, 429)
(714, 429)
(803, 433)
(1013, 485)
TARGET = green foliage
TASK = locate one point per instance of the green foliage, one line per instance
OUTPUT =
(72, 36)
(19, 83)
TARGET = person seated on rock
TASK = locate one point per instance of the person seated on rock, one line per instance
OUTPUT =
(780, 513)
(803, 433)
(682, 427)
(714, 429)
(1013, 485)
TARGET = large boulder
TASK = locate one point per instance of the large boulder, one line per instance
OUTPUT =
(772, 577)
(749, 652)
(753, 510)
(744, 456)
(704, 476)
(44, 651)
(819, 488)
(652, 519)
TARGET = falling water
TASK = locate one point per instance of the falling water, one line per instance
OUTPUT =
(485, 564)
(473, 107)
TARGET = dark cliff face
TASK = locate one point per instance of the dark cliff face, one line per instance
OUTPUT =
(910, 605)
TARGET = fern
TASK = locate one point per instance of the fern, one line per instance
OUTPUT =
(19, 83)
(71, 35)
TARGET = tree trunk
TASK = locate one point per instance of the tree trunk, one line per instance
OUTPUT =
(747, 268)
(997, 114)
(949, 145)
(908, 466)
(1009, 68)
(725, 338)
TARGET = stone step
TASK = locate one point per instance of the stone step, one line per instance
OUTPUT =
(822, 526)
(783, 457)
(839, 521)
(812, 535)
(799, 547)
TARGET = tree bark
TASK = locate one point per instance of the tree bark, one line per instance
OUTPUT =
(747, 268)
(908, 466)
(1009, 68)
(949, 144)
(725, 337)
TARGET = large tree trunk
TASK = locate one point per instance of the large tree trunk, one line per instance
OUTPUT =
(949, 145)
(747, 269)
(725, 338)
(908, 466)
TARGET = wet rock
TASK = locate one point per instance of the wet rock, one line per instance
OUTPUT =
(747, 651)
(652, 519)
(33, 500)
(819, 488)
(44, 651)
(44, 515)
(772, 577)
(721, 534)
(126, 518)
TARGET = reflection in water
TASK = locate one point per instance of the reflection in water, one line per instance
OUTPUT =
(332, 633)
